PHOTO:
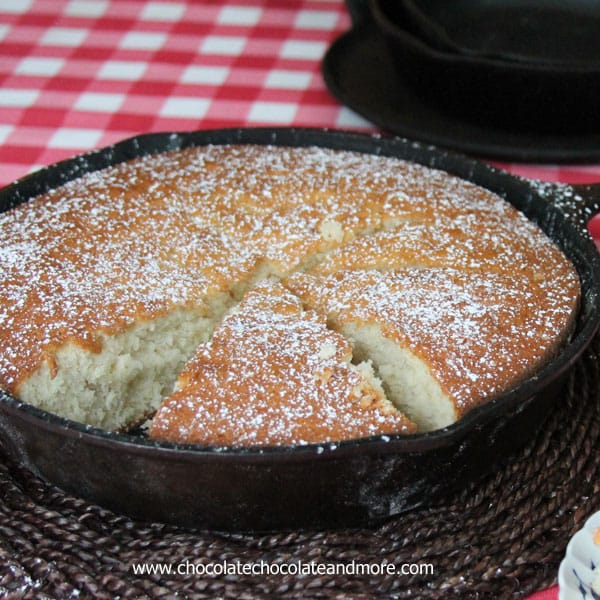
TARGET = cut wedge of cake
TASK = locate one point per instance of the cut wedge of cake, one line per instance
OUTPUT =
(273, 373)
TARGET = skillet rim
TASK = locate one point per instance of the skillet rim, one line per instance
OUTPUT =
(405, 149)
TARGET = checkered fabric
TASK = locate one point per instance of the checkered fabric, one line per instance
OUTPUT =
(80, 74)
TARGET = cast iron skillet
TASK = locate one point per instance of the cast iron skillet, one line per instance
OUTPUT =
(349, 483)
(516, 95)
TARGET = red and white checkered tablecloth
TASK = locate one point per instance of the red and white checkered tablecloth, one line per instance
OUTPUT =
(81, 74)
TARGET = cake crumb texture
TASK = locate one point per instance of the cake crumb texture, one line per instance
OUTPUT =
(273, 373)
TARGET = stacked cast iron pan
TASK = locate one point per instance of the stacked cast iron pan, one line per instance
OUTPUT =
(515, 80)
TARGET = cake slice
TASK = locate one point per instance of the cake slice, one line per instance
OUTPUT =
(443, 340)
(107, 290)
(273, 373)
(497, 243)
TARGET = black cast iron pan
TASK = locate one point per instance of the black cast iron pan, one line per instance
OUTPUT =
(329, 485)
(361, 71)
(545, 96)
(544, 32)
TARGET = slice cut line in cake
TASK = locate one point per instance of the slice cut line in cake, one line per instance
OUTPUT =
(273, 373)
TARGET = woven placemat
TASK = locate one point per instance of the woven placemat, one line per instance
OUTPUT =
(502, 538)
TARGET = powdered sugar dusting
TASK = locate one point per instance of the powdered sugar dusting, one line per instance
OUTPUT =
(570, 202)
(134, 241)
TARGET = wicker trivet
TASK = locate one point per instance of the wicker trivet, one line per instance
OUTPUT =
(502, 538)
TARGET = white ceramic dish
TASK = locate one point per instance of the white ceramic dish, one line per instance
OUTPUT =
(575, 574)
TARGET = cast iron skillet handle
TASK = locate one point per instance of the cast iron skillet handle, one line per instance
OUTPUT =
(580, 202)
(360, 12)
